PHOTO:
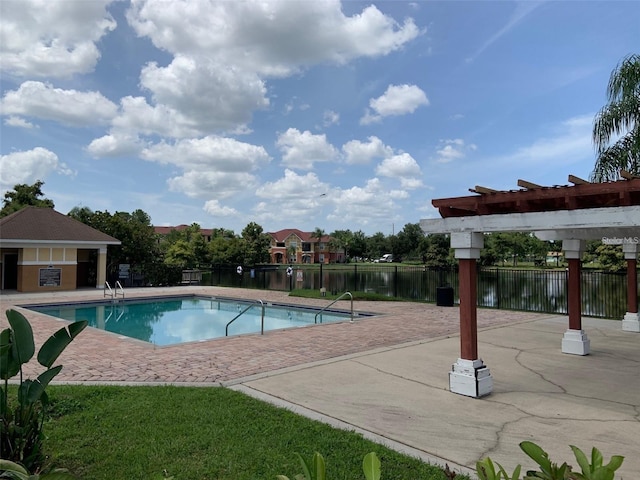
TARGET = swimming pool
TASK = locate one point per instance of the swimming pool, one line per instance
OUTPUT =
(169, 321)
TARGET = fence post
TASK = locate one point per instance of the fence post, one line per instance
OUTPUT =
(395, 283)
(320, 275)
(497, 288)
(355, 277)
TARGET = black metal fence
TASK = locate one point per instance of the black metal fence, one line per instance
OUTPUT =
(604, 294)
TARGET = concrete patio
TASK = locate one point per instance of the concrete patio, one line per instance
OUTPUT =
(387, 376)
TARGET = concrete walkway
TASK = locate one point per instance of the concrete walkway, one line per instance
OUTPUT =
(387, 377)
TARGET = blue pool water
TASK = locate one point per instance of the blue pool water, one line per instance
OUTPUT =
(186, 319)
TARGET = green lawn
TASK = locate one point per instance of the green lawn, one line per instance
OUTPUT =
(199, 433)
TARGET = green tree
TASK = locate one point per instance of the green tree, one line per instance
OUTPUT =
(358, 244)
(435, 251)
(255, 244)
(342, 239)
(378, 245)
(318, 234)
(408, 241)
(24, 195)
(620, 117)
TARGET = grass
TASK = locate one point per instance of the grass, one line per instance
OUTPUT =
(100, 432)
(315, 293)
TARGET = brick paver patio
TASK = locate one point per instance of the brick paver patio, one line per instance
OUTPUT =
(103, 357)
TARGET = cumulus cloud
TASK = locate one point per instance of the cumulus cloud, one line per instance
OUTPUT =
(211, 95)
(205, 184)
(219, 153)
(330, 118)
(396, 100)
(454, 149)
(29, 166)
(371, 205)
(301, 150)
(292, 197)
(18, 122)
(293, 186)
(401, 166)
(115, 144)
(212, 165)
(357, 152)
(69, 107)
(214, 208)
(40, 38)
(272, 38)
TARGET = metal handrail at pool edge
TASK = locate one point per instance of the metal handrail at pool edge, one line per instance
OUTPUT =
(315, 319)
(226, 330)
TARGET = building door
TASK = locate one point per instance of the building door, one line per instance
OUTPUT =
(10, 271)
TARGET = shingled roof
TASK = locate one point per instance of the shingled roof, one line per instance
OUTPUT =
(33, 224)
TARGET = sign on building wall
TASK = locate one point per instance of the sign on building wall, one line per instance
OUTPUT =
(50, 277)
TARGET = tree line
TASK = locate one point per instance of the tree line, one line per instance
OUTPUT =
(165, 256)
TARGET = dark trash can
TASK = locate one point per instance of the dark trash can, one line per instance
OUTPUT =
(444, 296)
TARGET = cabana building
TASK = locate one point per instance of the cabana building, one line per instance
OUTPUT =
(571, 214)
(43, 250)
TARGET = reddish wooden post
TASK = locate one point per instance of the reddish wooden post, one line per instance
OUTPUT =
(469, 376)
(575, 340)
(575, 294)
(468, 311)
(631, 321)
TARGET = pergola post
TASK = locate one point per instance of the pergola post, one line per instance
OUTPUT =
(631, 322)
(469, 376)
(575, 339)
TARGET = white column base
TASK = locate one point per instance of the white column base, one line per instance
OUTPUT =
(631, 322)
(575, 342)
(471, 378)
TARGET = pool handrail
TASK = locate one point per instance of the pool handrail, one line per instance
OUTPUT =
(315, 319)
(112, 294)
(226, 329)
(119, 287)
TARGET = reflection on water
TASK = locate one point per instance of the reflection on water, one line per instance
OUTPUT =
(168, 322)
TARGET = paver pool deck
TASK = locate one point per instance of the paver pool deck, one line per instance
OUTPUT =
(387, 376)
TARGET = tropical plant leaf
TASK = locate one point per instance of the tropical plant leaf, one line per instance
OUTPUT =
(371, 466)
(8, 465)
(319, 467)
(9, 365)
(537, 454)
(581, 458)
(55, 344)
(36, 388)
(596, 459)
(305, 468)
(22, 336)
(615, 463)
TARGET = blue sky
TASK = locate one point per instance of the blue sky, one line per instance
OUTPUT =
(300, 114)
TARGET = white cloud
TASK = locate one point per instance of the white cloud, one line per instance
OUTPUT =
(370, 206)
(401, 166)
(69, 107)
(30, 166)
(42, 38)
(115, 144)
(302, 149)
(273, 38)
(396, 100)
(218, 153)
(454, 149)
(213, 166)
(357, 152)
(210, 183)
(293, 186)
(330, 118)
(210, 95)
(293, 198)
(213, 207)
(18, 122)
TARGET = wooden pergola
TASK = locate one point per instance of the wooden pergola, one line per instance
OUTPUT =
(568, 213)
